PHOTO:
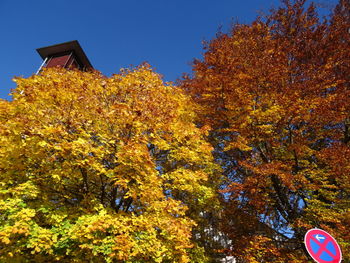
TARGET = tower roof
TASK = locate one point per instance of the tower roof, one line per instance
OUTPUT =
(74, 46)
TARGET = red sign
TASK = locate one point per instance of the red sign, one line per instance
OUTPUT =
(322, 247)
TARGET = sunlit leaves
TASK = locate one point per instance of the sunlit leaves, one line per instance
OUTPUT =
(101, 169)
(276, 94)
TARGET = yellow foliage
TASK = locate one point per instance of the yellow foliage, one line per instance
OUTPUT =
(92, 168)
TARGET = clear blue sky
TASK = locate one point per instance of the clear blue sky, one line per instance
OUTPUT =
(115, 34)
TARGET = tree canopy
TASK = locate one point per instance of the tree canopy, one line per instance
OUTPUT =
(101, 169)
(248, 153)
(277, 95)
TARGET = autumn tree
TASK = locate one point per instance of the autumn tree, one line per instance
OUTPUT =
(99, 169)
(276, 93)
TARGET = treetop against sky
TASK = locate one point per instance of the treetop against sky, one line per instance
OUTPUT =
(116, 34)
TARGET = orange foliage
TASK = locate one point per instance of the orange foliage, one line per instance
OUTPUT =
(277, 95)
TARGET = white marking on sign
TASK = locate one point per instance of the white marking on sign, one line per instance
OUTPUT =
(319, 237)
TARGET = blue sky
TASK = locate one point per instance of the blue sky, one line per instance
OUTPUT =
(115, 34)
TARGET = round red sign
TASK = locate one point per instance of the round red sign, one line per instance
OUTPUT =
(322, 247)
